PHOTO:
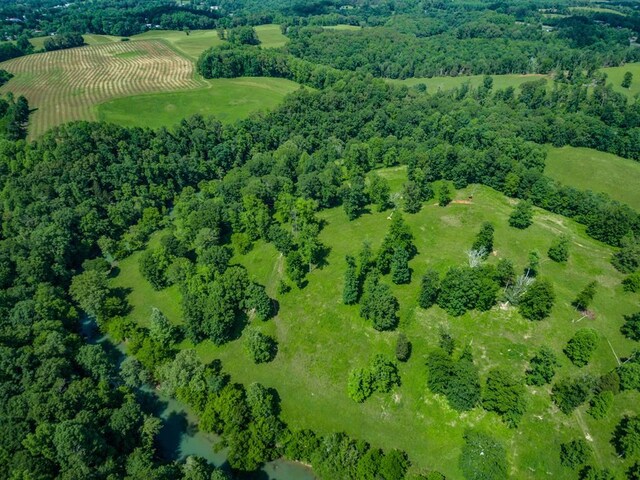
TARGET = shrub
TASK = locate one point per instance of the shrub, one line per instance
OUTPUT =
(580, 348)
(600, 404)
(403, 348)
(559, 251)
(574, 453)
(632, 283)
(631, 326)
(536, 303)
(260, 347)
(522, 215)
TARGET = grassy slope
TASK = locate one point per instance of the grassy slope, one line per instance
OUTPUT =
(227, 99)
(191, 45)
(616, 74)
(447, 83)
(585, 168)
(321, 340)
(270, 36)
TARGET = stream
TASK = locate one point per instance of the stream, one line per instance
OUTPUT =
(180, 437)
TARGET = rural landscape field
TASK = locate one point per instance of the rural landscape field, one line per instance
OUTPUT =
(290, 240)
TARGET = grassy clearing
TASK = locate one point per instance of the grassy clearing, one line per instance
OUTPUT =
(271, 36)
(616, 74)
(191, 45)
(343, 27)
(65, 85)
(448, 83)
(227, 99)
(597, 10)
(589, 169)
(321, 340)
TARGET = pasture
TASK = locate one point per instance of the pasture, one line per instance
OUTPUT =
(65, 85)
(616, 74)
(321, 340)
(589, 169)
(229, 99)
(191, 45)
(448, 83)
(270, 36)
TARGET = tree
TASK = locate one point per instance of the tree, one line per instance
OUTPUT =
(444, 196)
(574, 453)
(259, 302)
(505, 395)
(522, 215)
(626, 437)
(350, 289)
(260, 347)
(355, 198)
(360, 385)
(585, 297)
(412, 197)
(542, 367)
(400, 271)
(534, 263)
(580, 348)
(559, 251)
(91, 291)
(484, 239)
(153, 265)
(245, 35)
(394, 464)
(505, 272)
(161, 330)
(482, 457)
(398, 236)
(379, 191)
(296, 268)
(632, 283)
(537, 301)
(629, 374)
(600, 404)
(429, 288)
(631, 327)
(569, 393)
(403, 348)
(380, 306)
(626, 81)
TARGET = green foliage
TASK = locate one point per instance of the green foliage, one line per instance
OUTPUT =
(153, 266)
(161, 331)
(600, 404)
(559, 251)
(542, 367)
(379, 191)
(403, 348)
(296, 268)
(537, 301)
(444, 195)
(355, 197)
(379, 305)
(482, 457)
(581, 346)
(429, 289)
(569, 393)
(381, 376)
(626, 437)
(412, 197)
(260, 347)
(464, 288)
(259, 302)
(350, 289)
(626, 81)
(632, 283)
(627, 259)
(398, 237)
(484, 239)
(584, 298)
(458, 380)
(629, 374)
(593, 473)
(245, 35)
(631, 326)
(400, 271)
(575, 453)
(505, 395)
(522, 215)
(505, 272)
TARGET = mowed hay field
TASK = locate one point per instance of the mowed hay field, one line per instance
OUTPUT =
(65, 85)
(600, 172)
(321, 340)
(615, 76)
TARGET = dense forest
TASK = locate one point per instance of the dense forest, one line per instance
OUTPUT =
(86, 195)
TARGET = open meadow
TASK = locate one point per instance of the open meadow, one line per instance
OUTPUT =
(616, 74)
(448, 83)
(589, 169)
(321, 340)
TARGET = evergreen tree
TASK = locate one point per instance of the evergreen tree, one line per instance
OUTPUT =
(542, 367)
(631, 327)
(537, 301)
(355, 198)
(505, 272)
(626, 81)
(403, 348)
(559, 251)
(412, 197)
(585, 297)
(350, 289)
(505, 395)
(429, 289)
(379, 191)
(574, 453)
(580, 348)
(444, 196)
(534, 264)
(398, 236)
(400, 271)
(484, 239)
(522, 215)
(379, 305)
(161, 330)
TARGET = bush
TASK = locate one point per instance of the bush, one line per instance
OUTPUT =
(260, 347)
(536, 303)
(574, 453)
(632, 283)
(631, 327)
(559, 251)
(403, 348)
(600, 404)
(569, 393)
(542, 367)
(580, 348)
(522, 215)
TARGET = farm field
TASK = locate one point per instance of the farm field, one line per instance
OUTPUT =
(65, 85)
(447, 83)
(616, 74)
(616, 176)
(191, 45)
(270, 36)
(321, 340)
(227, 99)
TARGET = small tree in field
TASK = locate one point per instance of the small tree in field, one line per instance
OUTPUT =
(536, 303)
(585, 297)
(626, 81)
(400, 271)
(444, 196)
(484, 239)
(559, 251)
(429, 289)
(350, 290)
(403, 348)
(574, 453)
(522, 215)
(580, 348)
(260, 347)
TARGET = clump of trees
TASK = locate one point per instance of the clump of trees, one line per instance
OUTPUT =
(522, 216)
(581, 346)
(559, 250)
(243, 35)
(260, 347)
(537, 301)
(455, 378)
(542, 367)
(380, 376)
(62, 41)
(505, 394)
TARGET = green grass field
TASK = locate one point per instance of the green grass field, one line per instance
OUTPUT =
(270, 36)
(227, 99)
(597, 10)
(616, 74)
(343, 27)
(447, 83)
(321, 340)
(589, 169)
(191, 45)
